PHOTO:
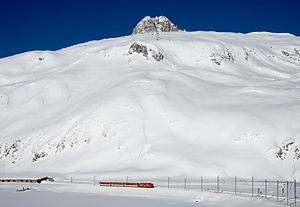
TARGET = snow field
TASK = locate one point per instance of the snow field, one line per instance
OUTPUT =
(217, 104)
(78, 195)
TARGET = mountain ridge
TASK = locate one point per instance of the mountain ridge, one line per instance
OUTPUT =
(154, 25)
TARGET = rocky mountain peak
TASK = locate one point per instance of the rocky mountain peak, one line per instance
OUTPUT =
(148, 24)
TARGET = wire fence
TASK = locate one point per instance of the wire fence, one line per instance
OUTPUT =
(285, 192)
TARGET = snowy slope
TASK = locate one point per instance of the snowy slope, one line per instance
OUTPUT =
(215, 104)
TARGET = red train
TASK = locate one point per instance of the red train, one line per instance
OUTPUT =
(134, 185)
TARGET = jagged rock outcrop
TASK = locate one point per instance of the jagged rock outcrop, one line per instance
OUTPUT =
(148, 24)
(140, 48)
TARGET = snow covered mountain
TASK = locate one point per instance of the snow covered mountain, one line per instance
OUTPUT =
(192, 103)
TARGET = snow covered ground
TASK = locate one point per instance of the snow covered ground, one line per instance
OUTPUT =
(189, 104)
(78, 195)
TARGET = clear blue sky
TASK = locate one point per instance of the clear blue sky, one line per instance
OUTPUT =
(54, 24)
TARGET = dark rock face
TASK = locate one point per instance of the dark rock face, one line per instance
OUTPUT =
(148, 24)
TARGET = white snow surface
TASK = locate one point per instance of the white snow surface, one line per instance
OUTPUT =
(78, 195)
(217, 104)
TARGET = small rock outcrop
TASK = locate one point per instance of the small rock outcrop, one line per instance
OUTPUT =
(150, 25)
(220, 55)
(140, 48)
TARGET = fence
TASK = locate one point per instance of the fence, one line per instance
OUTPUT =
(285, 192)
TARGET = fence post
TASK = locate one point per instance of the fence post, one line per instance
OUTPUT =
(277, 190)
(71, 180)
(218, 184)
(234, 184)
(184, 183)
(252, 180)
(168, 183)
(94, 180)
(266, 190)
(201, 184)
(287, 192)
(295, 192)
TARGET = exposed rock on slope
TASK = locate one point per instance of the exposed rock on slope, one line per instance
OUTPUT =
(148, 24)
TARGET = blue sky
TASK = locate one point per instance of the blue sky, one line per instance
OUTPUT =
(50, 25)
